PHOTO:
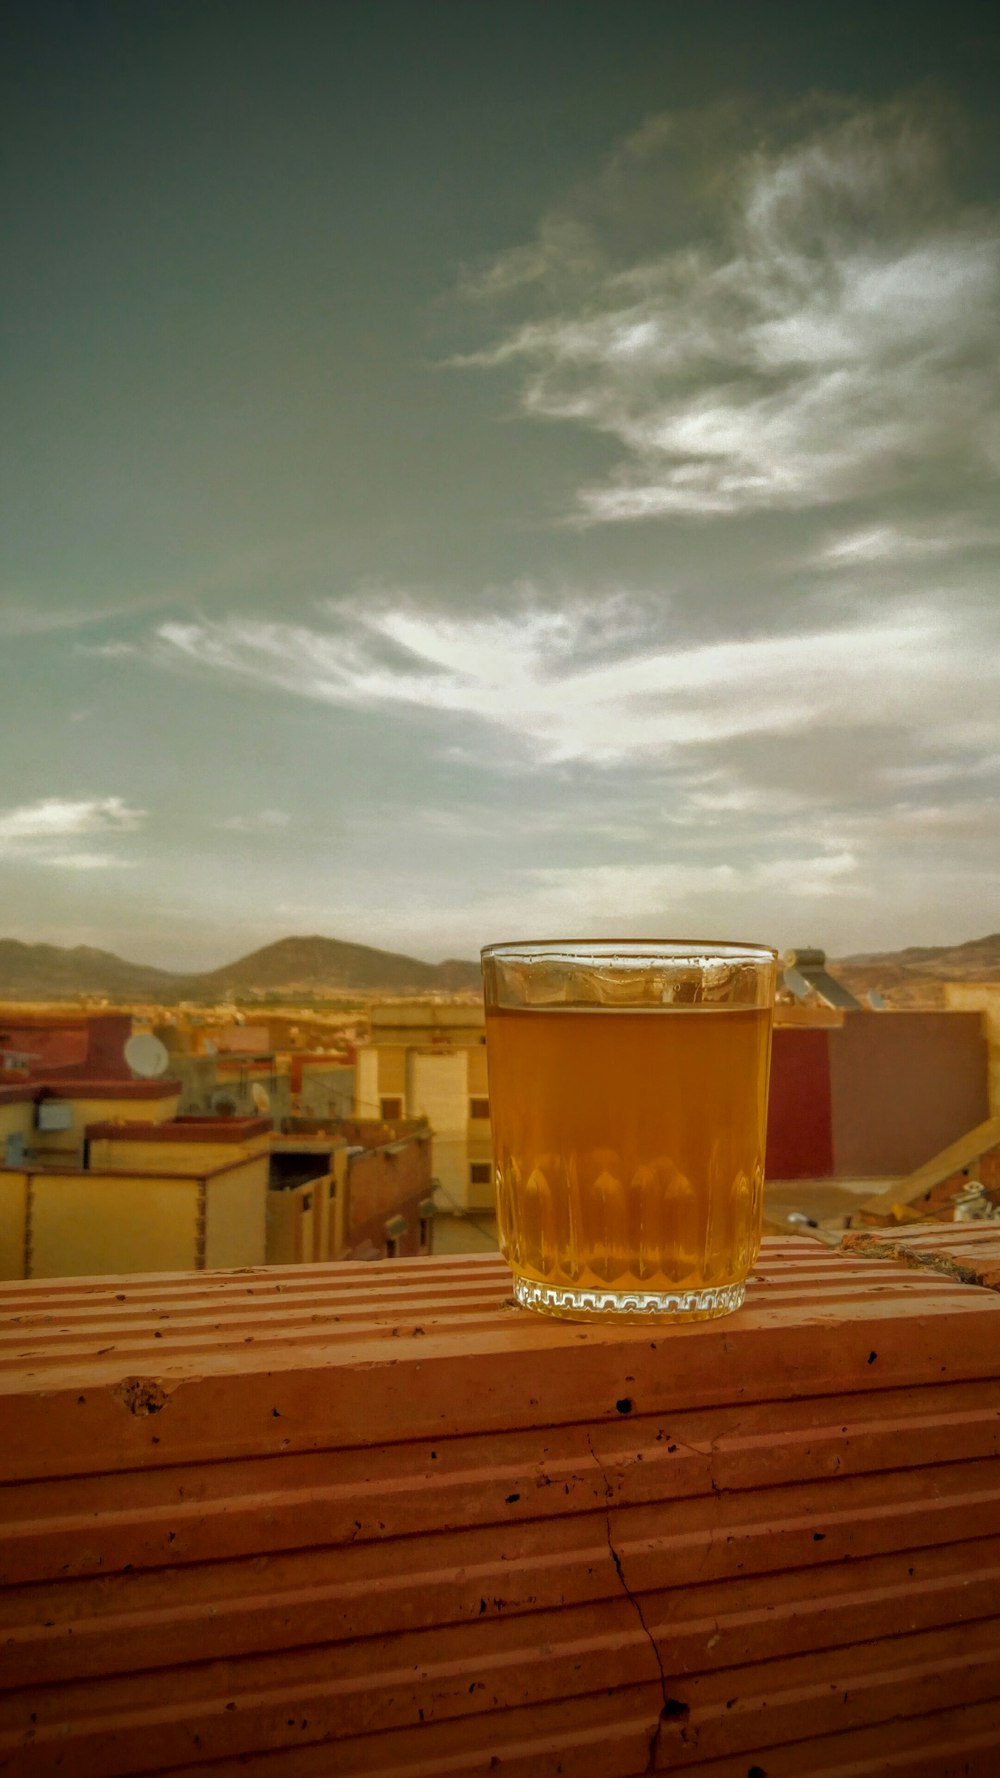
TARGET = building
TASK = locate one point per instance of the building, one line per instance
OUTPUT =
(309, 1083)
(44, 1123)
(103, 1176)
(864, 1095)
(855, 1096)
(358, 1189)
(982, 997)
(109, 1176)
(58, 1043)
(427, 1059)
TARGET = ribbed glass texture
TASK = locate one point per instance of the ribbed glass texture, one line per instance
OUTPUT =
(628, 1093)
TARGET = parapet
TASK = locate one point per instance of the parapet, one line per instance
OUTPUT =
(375, 1520)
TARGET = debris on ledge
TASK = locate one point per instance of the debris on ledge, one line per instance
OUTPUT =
(969, 1252)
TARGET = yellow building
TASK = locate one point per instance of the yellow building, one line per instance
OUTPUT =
(426, 1058)
(52, 1117)
(138, 1191)
(71, 1222)
(186, 1144)
(17, 1123)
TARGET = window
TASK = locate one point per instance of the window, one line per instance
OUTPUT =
(479, 1108)
(427, 1211)
(395, 1229)
(480, 1172)
(390, 1108)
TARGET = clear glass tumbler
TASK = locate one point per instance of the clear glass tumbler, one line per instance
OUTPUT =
(628, 1095)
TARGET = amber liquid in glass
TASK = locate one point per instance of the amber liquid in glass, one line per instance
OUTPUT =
(629, 1144)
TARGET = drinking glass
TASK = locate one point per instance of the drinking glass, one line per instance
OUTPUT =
(628, 1095)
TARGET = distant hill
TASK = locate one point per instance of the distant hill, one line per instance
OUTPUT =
(298, 966)
(311, 964)
(53, 972)
(978, 960)
(915, 977)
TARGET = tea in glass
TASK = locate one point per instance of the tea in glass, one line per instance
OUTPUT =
(628, 1096)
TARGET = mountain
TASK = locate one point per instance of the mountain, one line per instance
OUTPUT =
(914, 978)
(292, 965)
(311, 964)
(308, 966)
(53, 972)
(978, 960)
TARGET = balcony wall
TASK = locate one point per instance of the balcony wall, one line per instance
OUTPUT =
(373, 1520)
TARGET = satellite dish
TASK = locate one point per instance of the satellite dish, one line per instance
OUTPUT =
(146, 1055)
(876, 1000)
(261, 1097)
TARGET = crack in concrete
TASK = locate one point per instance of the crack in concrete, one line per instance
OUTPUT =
(654, 1740)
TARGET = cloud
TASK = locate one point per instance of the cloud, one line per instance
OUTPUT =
(941, 771)
(818, 324)
(108, 651)
(534, 677)
(35, 831)
(884, 545)
(644, 890)
(87, 861)
(259, 821)
(23, 614)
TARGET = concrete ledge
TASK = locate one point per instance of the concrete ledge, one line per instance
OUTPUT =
(968, 1251)
(373, 1520)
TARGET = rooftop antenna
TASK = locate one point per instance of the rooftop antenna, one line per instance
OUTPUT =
(146, 1055)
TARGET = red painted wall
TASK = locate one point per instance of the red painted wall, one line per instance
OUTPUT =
(800, 1115)
(88, 1045)
(875, 1097)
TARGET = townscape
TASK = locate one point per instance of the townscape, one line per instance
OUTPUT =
(350, 1125)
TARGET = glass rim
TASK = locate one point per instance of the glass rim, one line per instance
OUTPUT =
(665, 949)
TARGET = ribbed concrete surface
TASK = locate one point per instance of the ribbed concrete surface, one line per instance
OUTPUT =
(969, 1251)
(369, 1520)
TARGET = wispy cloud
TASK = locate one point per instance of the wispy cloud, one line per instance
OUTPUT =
(107, 651)
(822, 326)
(532, 675)
(884, 545)
(645, 890)
(87, 861)
(258, 821)
(38, 831)
(22, 616)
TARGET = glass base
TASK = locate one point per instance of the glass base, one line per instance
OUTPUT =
(633, 1305)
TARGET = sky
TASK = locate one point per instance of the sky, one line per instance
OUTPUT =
(486, 472)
